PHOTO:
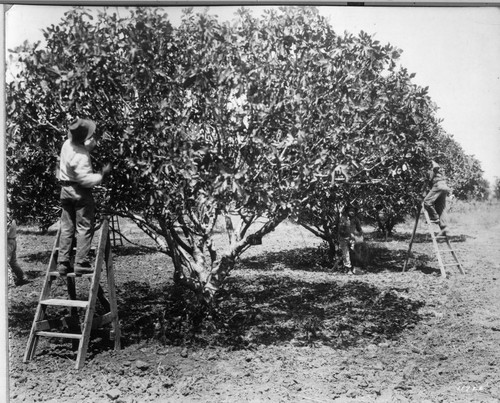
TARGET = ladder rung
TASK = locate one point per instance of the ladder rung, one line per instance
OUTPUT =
(451, 264)
(73, 303)
(80, 275)
(446, 250)
(92, 248)
(57, 334)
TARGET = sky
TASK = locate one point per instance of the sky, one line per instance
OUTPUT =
(455, 51)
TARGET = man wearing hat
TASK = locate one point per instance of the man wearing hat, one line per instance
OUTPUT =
(435, 200)
(77, 179)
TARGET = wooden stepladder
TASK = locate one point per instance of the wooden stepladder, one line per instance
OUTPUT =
(116, 236)
(446, 256)
(43, 327)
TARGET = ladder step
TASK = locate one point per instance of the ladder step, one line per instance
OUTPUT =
(451, 264)
(65, 302)
(57, 334)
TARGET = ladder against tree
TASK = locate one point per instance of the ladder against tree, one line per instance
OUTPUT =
(116, 234)
(42, 327)
(443, 249)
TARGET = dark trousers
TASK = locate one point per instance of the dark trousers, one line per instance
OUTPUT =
(435, 203)
(77, 221)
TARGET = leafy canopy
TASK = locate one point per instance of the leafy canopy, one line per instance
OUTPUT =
(241, 123)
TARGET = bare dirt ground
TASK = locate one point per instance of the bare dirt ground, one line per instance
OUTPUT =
(288, 328)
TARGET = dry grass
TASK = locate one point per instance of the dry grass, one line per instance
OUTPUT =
(474, 215)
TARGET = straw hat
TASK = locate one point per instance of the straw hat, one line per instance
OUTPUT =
(81, 130)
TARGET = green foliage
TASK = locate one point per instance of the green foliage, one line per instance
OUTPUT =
(31, 178)
(350, 105)
(464, 171)
(496, 188)
(164, 107)
(240, 121)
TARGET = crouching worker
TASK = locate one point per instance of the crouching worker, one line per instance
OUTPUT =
(77, 179)
(350, 232)
(435, 200)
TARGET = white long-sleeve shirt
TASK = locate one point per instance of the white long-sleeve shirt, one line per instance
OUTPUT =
(76, 166)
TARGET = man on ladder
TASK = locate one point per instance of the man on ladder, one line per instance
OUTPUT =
(77, 180)
(435, 200)
(434, 208)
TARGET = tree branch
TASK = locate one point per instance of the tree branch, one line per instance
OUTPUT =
(311, 229)
(149, 229)
(40, 124)
(245, 224)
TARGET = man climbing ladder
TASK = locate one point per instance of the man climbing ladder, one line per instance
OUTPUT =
(434, 209)
(435, 200)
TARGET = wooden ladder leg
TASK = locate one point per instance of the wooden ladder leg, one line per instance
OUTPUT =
(411, 239)
(113, 230)
(33, 338)
(94, 288)
(110, 305)
(44, 294)
(435, 244)
(119, 230)
(116, 231)
(455, 257)
(113, 307)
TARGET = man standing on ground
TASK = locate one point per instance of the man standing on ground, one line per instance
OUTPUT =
(350, 232)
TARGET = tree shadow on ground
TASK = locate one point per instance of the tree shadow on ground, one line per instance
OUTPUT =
(37, 257)
(263, 309)
(36, 231)
(129, 250)
(383, 259)
(379, 259)
(311, 259)
(267, 310)
(424, 237)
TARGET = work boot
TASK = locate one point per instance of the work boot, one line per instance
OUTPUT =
(356, 271)
(83, 268)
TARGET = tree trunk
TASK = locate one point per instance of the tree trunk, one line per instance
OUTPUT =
(204, 276)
